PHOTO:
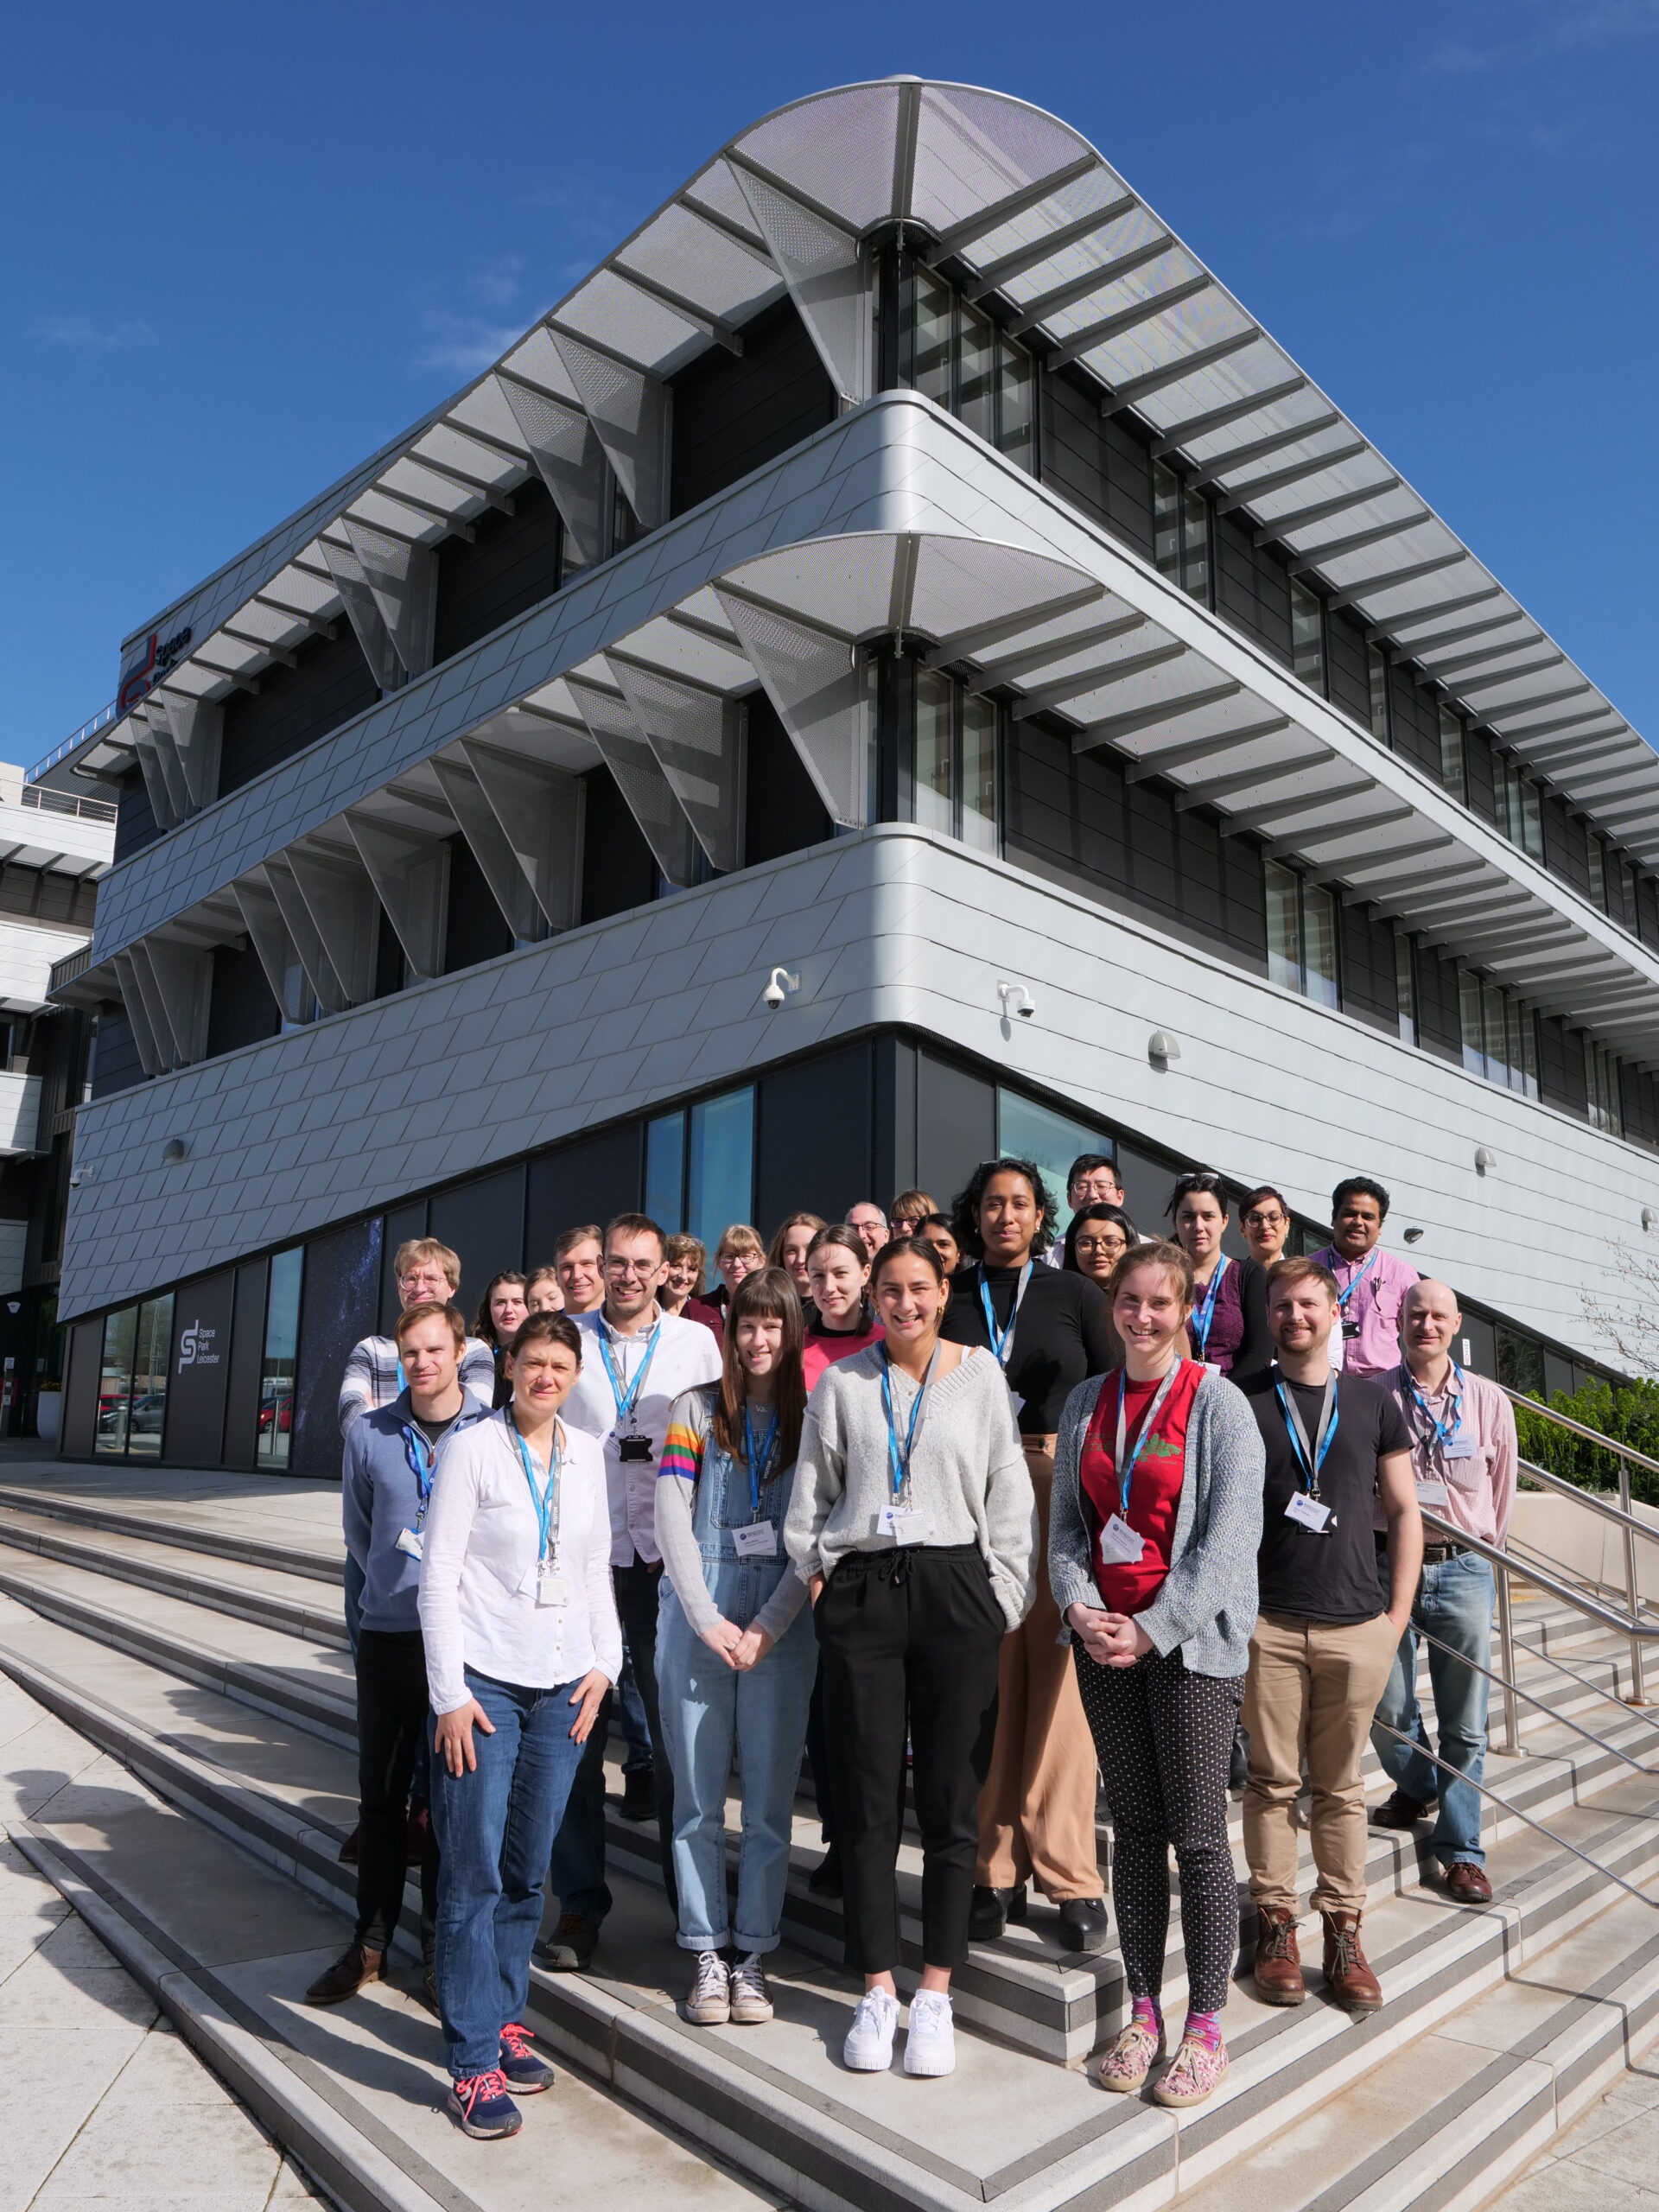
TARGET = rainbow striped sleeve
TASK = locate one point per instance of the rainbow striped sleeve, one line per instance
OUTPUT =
(681, 1452)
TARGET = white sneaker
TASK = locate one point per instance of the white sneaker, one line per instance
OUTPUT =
(931, 2044)
(869, 2047)
(750, 1999)
(710, 2005)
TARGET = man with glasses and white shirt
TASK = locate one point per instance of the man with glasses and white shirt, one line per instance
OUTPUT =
(636, 1360)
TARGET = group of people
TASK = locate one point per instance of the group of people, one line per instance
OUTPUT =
(941, 1500)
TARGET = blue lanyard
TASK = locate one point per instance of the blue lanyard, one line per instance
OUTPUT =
(1207, 1312)
(1299, 1441)
(626, 1404)
(898, 1462)
(1125, 1469)
(1002, 1340)
(1442, 1429)
(415, 1446)
(1343, 1296)
(758, 1459)
(546, 1502)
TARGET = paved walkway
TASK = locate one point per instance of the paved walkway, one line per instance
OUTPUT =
(292, 1509)
(1608, 2161)
(106, 2106)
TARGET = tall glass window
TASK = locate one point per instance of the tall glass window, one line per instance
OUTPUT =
(1016, 431)
(960, 359)
(1520, 1362)
(1308, 635)
(1180, 523)
(277, 1369)
(1524, 812)
(132, 1380)
(1376, 669)
(1601, 1083)
(720, 1163)
(665, 1171)
(1284, 928)
(1405, 987)
(115, 1382)
(935, 783)
(931, 338)
(977, 373)
(1469, 1021)
(1597, 872)
(1452, 767)
(1050, 1141)
(1626, 912)
(979, 811)
(1319, 944)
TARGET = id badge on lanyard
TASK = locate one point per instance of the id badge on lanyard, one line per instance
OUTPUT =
(1001, 1340)
(1120, 1544)
(900, 1518)
(1306, 1508)
(760, 1539)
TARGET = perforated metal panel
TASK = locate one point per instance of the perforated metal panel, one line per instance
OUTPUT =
(974, 148)
(538, 811)
(570, 461)
(197, 726)
(497, 861)
(410, 876)
(363, 614)
(302, 933)
(816, 684)
(838, 147)
(403, 580)
(625, 407)
(695, 736)
(649, 796)
(143, 1035)
(826, 278)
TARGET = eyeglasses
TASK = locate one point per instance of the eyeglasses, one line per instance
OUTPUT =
(627, 1270)
(1107, 1243)
(1266, 1217)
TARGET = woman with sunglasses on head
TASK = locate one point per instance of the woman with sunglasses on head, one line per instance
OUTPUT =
(1152, 1552)
(791, 1240)
(735, 1655)
(522, 1645)
(1047, 1330)
(1229, 1328)
(915, 1526)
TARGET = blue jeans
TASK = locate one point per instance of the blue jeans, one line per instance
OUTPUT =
(495, 1829)
(630, 1718)
(706, 1708)
(1454, 1603)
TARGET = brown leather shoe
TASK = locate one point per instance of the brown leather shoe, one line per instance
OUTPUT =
(1467, 1882)
(1347, 1976)
(1278, 1971)
(354, 1966)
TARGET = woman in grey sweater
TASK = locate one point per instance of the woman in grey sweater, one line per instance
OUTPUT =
(1153, 1530)
(914, 1523)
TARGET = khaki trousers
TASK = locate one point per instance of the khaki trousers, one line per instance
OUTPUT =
(1037, 1809)
(1309, 1695)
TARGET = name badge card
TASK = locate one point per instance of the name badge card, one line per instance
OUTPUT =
(758, 1541)
(1308, 1513)
(1458, 1448)
(1119, 1545)
(904, 1524)
(552, 1587)
(410, 1542)
(1433, 1496)
(1017, 1402)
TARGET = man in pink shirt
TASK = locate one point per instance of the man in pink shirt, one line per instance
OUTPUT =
(1371, 1284)
(1463, 1454)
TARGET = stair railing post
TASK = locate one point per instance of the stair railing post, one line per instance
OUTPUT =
(1506, 1645)
(1638, 1683)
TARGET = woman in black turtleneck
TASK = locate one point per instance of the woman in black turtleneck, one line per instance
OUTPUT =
(1051, 1330)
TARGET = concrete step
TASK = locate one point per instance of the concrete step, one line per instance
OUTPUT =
(1499, 2025)
(219, 1514)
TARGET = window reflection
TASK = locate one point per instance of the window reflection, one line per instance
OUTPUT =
(281, 1353)
(720, 1163)
(665, 1171)
(132, 1380)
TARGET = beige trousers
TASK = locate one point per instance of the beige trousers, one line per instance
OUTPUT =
(1037, 1809)
(1311, 1693)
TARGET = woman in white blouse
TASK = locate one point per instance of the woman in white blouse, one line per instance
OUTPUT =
(522, 1644)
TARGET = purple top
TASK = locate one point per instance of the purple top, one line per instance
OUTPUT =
(1226, 1322)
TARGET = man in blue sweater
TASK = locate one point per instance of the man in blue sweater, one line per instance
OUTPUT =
(391, 1457)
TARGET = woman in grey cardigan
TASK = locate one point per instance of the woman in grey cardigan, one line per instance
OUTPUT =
(1153, 1536)
(914, 1523)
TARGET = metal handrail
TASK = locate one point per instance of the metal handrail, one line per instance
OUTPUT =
(1563, 1719)
(1446, 1767)
(1592, 1498)
(1624, 1622)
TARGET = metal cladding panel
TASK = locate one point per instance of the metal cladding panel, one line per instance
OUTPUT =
(199, 1375)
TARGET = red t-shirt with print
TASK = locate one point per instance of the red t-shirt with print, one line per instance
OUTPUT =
(1156, 1491)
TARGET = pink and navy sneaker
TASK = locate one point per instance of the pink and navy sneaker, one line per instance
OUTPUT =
(481, 2103)
(1132, 2057)
(1197, 2071)
(526, 2074)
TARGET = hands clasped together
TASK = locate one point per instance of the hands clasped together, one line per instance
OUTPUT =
(741, 1648)
(1111, 1639)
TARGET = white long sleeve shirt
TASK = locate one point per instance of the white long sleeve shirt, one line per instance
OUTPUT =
(686, 1355)
(478, 1602)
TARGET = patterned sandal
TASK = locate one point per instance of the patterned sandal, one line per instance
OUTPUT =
(1131, 2058)
(1197, 2071)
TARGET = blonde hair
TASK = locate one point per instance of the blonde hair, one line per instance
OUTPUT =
(738, 1236)
(415, 1250)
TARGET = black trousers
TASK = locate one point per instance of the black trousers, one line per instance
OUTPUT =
(576, 1876)
(907, 1643)
(391, 1722)
(1164, 1739)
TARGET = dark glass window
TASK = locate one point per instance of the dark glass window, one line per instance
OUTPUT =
(1301, 936)
(961, 359)
(1180, 523)
(956, 774)
(1452, 764)
(1308, 635)
(281, 1353)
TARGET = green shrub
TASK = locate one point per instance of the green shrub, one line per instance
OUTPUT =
(1629, 1413)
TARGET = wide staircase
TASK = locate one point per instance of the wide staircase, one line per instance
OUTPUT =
(189, 1629)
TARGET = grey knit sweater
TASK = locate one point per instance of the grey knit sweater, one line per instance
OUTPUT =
(967, 1471)
(1206, 1608)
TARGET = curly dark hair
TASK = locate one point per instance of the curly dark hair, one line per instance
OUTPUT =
(964, 1207)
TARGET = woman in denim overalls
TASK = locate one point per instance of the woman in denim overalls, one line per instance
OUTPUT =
(735, 1652)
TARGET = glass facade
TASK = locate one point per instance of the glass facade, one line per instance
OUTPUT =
(955, 761)
(1284, 928)
(1050, 1141)
(665, 1171)
(1500, 1039)
(1376, 670)
(132, 1380)
(1405, 987)
(281, 1358)
(1452, 767)
(1302, 936)
(720, 1163)
(959, 359)
(1308, 635)
(1180, 525)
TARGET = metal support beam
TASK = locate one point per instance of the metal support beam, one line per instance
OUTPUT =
(1224, 464)
(1441, 670)
(1099, 679)
(1271, 533)
(1373, 586)
(1285, 810)
(1438, 611)
(1244, 779)
(1130, 318)
(1131, 393)
(1501, 676)
(1166, 711)
(1335, 549)
(1202, 748)
(628, 408)
(966, 644)
(986, 220)
(1015, 665)
(1218, 418)
(1280, 480)
(1033, 311)
(1308, 841)
(1051, 243)
(712, 326)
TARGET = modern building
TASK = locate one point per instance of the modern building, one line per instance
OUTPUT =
(897, 664)
(54, 847)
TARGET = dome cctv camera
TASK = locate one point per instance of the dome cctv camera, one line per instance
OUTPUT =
(779, 984)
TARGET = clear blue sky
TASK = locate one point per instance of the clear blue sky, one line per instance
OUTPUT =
(244, 246)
